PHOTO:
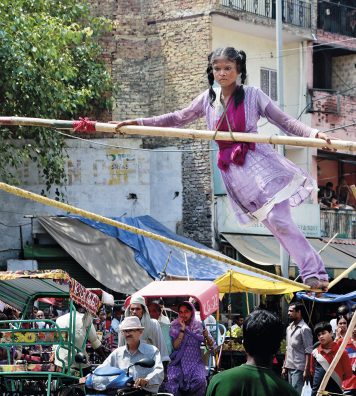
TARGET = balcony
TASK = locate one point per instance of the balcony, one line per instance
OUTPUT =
(337, 18)
(342, 222)
(294, 12)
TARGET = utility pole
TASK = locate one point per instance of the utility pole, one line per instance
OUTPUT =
(283, 255)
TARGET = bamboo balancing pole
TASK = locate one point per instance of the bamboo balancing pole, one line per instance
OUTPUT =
(208, 253)
(342, 275)
(91, 126)
(337, 357)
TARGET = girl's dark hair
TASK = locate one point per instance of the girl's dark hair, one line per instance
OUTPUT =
(231, 54)
(187, 305)
(339, 317)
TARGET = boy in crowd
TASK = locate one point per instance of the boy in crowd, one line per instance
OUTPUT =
(262, 335)
(323, 355)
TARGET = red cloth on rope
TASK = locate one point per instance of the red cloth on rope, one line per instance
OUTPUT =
(84, 125)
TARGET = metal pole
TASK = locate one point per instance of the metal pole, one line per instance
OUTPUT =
(283, 255)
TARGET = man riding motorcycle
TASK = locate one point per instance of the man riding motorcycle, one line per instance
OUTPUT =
(146, 378)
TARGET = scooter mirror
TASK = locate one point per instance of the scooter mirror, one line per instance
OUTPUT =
(145, 362)
(80, 358)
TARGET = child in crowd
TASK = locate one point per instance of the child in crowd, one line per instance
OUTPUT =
(321, 358)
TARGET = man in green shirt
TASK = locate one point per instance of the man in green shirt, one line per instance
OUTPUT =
(262, 334)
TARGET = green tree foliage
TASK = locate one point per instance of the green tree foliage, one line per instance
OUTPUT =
(50, 68)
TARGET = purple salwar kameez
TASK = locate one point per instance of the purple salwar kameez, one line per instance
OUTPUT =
(258, 186)
(186, 371)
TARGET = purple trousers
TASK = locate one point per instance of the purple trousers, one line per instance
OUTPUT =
(279, 222)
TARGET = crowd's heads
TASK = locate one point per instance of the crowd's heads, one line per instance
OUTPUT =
(154, 309)
(40, 314)
(295, 311)
(50, 313)
(132, 329)
(342, 320)
(138, 306)
(323, 331)
(263, 332)
(11, 313)
(102, 315)
(322, 326)
(342, 324)
(239, 320)
(343, 310)
(117, 311)
(186, 311)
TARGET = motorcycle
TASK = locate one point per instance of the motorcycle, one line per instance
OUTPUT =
(108, 380)
(113, 380)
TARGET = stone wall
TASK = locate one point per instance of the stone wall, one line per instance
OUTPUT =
(158, 53)
(342, 106)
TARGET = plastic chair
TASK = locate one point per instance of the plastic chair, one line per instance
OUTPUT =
(215, 357)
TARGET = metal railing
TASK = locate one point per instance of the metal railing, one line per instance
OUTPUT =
(294, 12)
(337, 18)
(342, 222)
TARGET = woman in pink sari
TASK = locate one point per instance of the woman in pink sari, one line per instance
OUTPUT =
(261, 184)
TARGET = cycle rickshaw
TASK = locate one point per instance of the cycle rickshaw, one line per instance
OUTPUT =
(30, 376)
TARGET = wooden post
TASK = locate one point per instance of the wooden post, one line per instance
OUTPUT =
(343, 275)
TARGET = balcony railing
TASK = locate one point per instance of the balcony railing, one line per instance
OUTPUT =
(294, 12)
(342, 222)
(337, 18)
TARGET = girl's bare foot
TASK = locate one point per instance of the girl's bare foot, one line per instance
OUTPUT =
(317, 284)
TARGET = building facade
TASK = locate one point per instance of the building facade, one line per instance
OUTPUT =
(159, 56)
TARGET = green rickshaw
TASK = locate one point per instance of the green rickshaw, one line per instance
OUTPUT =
(30, 375)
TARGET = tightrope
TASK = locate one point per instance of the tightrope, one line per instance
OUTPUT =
(93, 216)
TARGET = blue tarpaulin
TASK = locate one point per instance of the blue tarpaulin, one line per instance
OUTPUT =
(328, 297)
(152, 255)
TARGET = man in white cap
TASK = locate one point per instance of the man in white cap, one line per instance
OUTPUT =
(149, 379)
(152, 333)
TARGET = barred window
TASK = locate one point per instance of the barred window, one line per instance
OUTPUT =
(269, 82)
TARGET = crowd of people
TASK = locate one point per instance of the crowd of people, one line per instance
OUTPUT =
(307, 361)
(121, 336)
(339, 198)
(307, 356)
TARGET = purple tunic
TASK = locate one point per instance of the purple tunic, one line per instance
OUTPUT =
(266, 178)
(186, 371)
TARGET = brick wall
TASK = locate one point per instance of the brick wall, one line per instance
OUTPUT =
(158, 53)
(345, 104)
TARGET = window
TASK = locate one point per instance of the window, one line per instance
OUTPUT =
(269, 82)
